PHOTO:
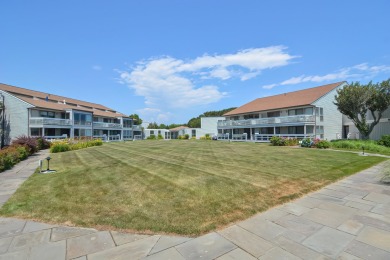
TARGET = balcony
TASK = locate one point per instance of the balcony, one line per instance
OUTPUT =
(106, 125)
(264, 122)
(137, 128)
(43, 121)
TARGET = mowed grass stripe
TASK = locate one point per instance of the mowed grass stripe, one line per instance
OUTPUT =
(182, 187)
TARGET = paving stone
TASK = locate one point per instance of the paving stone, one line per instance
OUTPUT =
(88, 244)
(29, 239)
(208, 246)
(4, 198)
(299, 224)
(294, 208)
(356, 196)
(294, 236)
(4, 244)
(168, 241)
(375, 237)
(349, 190)
(11, 227)
(346, 256)
(296, 248)
(351, 226)
(326, 217)
(51, 250)
(377, 197)
(328, 241)
(18, 255)
(358, 205)
(32, 226)
(246, 240)
(263, 228)
(327, 198)
(123, 238)
(347, 211)
(80, 258)
(134, 250)
(365, 251)
(382, 209)
(309, 202)
(278, 253)
(60, 233)
(272, 214)
(372, 221)
(333, 193)
(236, 254)
(169, 254)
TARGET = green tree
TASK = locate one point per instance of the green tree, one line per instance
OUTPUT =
(195, 121)
(153, 125)
(136, 118)
(356, 100)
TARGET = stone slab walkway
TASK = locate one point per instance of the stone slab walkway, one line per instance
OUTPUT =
(349, 219)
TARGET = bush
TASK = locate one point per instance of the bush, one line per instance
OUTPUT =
(160, 137)
(42, 143)
(151, 137)
(282, 141)
(384, 141)
(69, 145)
(206, 137)
(322, 144)
(369, 145)
(277, 141)
(307, 142)
(186, 136)
(30, 142)
(11, 156)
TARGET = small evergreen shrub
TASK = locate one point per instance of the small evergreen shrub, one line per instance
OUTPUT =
(385, 140)
(160, 137)
(322, 144)
(186, 136)
(151, 137)
(42, 143)
(307, 142)
(277, 141)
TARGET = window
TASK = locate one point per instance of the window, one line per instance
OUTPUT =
(301, 111)
(235, 118)
(321, 114)
(193, 133)
(82, 132)
(319, 129)
(273, 114)
(36, 131)
(82, 119)
(47, 114)
(309, 129)
(152, 132)
(296, 130)
(251, 116)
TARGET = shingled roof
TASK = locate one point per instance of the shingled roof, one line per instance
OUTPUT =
(291, 99)
(55, 102)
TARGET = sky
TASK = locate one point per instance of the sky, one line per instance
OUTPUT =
(169, 61)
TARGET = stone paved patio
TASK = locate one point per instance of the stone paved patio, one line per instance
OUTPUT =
(349, 219)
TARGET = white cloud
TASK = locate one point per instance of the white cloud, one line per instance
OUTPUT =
(166, 82)
(362, 70)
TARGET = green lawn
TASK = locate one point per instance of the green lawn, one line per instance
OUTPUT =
(182, 187)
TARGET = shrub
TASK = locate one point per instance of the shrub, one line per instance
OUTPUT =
(42, 143)
(59, 147)
(28, 141)
(186, 136)
(385, 140)
(307, 142)
(322, 144)
(369, 145)
(277, 141)
(206, 137)
(11, 156)
(291, 141)
(151, 137)
(160, 137)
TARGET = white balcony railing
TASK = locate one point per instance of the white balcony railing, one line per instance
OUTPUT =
(261, 137)
(267, 121)
(106, 125)
(41, 121)
(137, 128)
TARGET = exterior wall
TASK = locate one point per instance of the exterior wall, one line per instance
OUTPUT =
(382, 128)
(16, 117)
(147, 133)
(209, 125)
(332, 117)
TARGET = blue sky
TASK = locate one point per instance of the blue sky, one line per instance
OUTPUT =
(172, 60)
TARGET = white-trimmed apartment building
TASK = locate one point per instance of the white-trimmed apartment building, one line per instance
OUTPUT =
(34, 113)
(308, 113)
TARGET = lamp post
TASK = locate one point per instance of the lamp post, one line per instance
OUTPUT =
(48, 160)
(363, 149)
(2, 120)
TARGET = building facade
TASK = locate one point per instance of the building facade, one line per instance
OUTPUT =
(308, 113)
(34, 113)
